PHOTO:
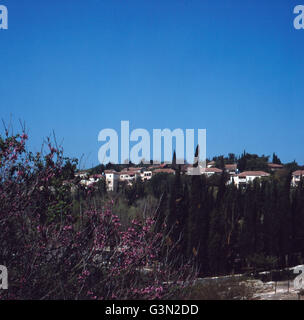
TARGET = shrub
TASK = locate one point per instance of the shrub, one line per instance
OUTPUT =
(51, 252)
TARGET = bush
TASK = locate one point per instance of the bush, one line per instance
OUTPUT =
(51, 252)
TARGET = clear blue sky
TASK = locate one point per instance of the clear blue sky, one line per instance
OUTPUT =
(235, 68)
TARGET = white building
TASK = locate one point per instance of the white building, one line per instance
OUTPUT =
(128, 176)
(210, 171)
(87, 179)
(146, 175)
(112, 178)
(247, 177)
(84, 177)
(296, 177)
(82, 174)
(211, 164)
(231, 168)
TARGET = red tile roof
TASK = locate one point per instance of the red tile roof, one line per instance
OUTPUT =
(164, 171)
(132, 173)
(231, 166)
(157, 166)
(254, 174)
(110, 171)
(275, 165)
(135, 169)
(215, 170)
(298, 173)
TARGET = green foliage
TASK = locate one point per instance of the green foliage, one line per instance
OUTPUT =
(252, 162)
(292, 166)
(275, 159)
(222, 228)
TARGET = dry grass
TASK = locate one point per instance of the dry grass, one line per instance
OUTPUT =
(222, 289)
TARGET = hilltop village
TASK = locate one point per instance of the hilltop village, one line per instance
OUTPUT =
(235, 175)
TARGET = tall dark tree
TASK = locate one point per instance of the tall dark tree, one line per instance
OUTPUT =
(193, 232)
(284, 216)
(275, 159)
(174, 166)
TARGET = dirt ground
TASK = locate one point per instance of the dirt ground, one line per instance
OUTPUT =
(282, 292)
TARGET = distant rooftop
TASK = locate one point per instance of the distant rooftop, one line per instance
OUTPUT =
(298, 173)
(275, 166)
(231, 166)
(254, 174)
(215, 170)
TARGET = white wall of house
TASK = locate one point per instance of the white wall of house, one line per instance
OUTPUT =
(82, 175)
(112, 181)
(129, 177)
(146, 175)
(296, 178)
(237, 180)
(231, 170)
